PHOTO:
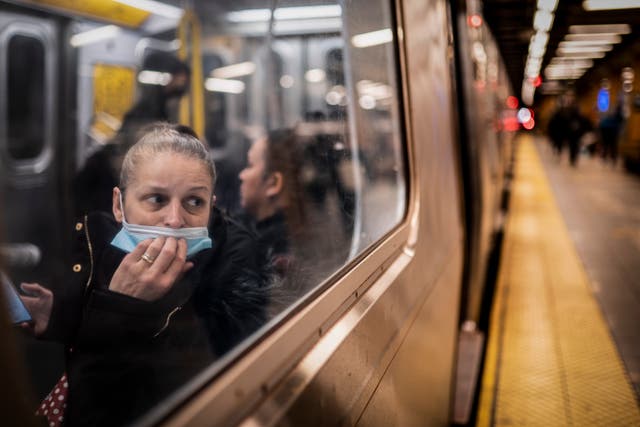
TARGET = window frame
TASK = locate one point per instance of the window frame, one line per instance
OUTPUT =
(227, 391)
(38, 164)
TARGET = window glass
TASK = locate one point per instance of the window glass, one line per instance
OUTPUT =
(297, 103)
(26, 106)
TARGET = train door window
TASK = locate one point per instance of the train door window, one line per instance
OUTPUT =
(27, 100)
(25, 86)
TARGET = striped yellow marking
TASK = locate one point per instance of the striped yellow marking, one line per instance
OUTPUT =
(550, 358)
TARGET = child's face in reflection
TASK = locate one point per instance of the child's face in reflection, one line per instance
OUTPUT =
(167, 190)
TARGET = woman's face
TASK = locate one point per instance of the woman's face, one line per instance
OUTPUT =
(167, 190)
(253, 187)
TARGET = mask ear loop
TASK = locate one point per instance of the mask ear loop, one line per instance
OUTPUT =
(124, 220)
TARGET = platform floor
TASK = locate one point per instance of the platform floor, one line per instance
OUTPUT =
(551, 358)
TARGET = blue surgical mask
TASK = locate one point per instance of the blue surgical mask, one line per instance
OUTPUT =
(131, 235)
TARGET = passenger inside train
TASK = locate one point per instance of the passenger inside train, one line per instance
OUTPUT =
(155, 296)
(271, 197)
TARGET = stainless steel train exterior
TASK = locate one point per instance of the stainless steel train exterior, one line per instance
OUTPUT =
(415, 117)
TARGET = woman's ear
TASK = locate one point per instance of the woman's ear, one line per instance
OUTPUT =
(274, 184)
(116, 208)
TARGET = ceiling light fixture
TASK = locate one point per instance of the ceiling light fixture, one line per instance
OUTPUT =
(372, 38)
(542, 20)
(155, 7)
(285, 13)
(581, 55)
(224, 85)
(581, 43)
(584, 49)
(548, 5)
(93, 36)
(234, 70)
(599, 29)
(610, 4)
(609, 37)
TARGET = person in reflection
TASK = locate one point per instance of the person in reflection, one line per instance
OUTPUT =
(100, 173)
(158, 291)
(270, 194)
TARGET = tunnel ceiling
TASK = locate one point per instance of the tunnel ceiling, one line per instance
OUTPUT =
(511, 22)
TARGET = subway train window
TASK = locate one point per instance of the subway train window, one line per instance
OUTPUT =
(25, 83)
(27, 95)
(216, 167)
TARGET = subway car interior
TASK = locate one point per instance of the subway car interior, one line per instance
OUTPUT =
(312, 212)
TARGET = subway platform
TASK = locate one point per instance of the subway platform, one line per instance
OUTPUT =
(564, 340)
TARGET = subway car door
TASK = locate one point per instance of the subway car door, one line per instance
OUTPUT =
(30, 184)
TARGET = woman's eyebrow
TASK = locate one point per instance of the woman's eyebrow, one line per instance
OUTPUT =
(199, 188)
(151, 188)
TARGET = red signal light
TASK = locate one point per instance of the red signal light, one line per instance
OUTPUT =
(474, 21)
(529, 125)
(512, 102)
(537, 81)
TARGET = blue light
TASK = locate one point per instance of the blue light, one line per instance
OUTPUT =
(603, 100)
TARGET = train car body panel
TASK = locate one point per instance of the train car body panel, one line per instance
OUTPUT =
(371, 338)
(400, 332)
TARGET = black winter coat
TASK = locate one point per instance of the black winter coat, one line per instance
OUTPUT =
(125, 354)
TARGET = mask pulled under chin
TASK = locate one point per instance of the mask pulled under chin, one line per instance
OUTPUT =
(131, 235)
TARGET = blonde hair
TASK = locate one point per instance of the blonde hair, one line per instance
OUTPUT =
(165, 138)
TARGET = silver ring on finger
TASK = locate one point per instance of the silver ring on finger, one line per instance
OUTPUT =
(148, 258)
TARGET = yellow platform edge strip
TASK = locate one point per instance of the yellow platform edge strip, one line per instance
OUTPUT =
(550, 358)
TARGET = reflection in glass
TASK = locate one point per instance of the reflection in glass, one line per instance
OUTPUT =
(303, 128)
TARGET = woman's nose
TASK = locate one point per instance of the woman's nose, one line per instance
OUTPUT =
(174, 217)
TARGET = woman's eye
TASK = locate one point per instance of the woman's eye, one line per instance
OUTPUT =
(156, 199)
(195, 202)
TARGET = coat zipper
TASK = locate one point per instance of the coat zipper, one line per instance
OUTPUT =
(86, 232)
(166, 323)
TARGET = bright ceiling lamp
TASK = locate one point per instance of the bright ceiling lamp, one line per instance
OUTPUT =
(564, 71)
(548, 5)
(557, 70)
(249, 15)
(315, 75)
(234, 70)
(224, 85)
(578, 43)
(581, 55)
(93, 36)
(538, 44)
(372, 38)
(576, 63)
(600, 37)
(610, 4)
(599, 29)
(155, 7)
(542, 20)
(584, 49)
(308, 12)
(285, 13)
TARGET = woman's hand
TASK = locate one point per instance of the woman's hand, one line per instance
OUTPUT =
(38, 302)
(151, 269)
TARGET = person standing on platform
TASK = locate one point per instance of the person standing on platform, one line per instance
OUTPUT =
(556, 130)
(576, 125)
(609, 132)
